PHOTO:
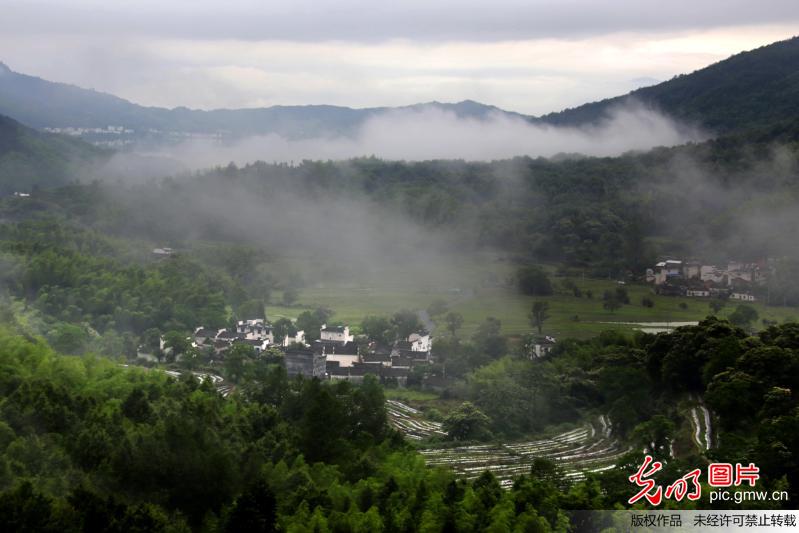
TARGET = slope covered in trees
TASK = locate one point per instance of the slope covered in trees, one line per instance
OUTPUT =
(87, 444)
(748, 90)
(29, 158)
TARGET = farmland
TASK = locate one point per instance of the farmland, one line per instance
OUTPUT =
(590, 447)
(570, 316)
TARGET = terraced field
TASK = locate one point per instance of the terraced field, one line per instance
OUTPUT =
(218, 381)
(703, 430)
(411, 422)
(590, 448)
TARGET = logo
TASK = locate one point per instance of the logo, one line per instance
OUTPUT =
(718, 474)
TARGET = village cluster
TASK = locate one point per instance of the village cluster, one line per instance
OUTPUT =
(335, 355)
(735, 281)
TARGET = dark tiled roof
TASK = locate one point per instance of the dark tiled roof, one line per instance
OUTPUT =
(337, 348)
(376, 358)
(227, 334)
(381, 349)
(401, 361)
(251, 342)
(396, 372)
(295, 350)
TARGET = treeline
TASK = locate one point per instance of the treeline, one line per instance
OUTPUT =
(748, 382)
(85, 443)
(728, 198)
(88, 445)
(76, 277)
(647, 385)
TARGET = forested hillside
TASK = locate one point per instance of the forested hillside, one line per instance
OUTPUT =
(749, 90)
(115, 417)
(31, 159)
(87, 444)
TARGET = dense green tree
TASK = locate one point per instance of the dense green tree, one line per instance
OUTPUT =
(290, 296)
(539, 313)
(255, 510)
(533, 281)
(611, 304)
(282, 328)
(311, 322)
(454, 321)
(716, 306)
(467, 423)
(743, 315)
(405, 322)
(237, 361)
(69, 339)
(378, 329)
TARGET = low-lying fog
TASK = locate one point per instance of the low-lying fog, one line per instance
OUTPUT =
(437, 134)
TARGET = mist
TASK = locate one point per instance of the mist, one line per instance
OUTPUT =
(743, 210)
(425, 134)
(308, 237)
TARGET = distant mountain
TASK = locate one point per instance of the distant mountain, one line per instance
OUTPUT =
(30, 158)
(44, 104)
(750, 90)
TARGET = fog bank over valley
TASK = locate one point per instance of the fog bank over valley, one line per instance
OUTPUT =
(415, 135)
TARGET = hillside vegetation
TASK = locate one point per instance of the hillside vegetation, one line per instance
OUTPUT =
(748, 90)
(31, 159)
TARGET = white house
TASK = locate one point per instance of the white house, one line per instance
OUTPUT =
(542, 346)
(666, 270)
(343, 360)
(298, 338)
(259, 346)
(336, 334)
(256, 329)
(698, 293)
(712, 273)
(739, 275)
(742, 296)
(420, 341)
(202, 334)
(692, 269)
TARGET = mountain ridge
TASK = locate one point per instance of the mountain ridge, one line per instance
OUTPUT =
(761, 84)
(40, 103)
(707, 95)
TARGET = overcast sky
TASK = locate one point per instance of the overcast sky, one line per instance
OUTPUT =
(532, 56)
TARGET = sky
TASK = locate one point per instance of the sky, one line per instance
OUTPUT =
(530, 56)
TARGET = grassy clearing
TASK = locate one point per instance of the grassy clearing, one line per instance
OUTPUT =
(571, 316)
(410, 395)
(478, 291)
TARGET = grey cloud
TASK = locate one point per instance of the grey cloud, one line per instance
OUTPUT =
(359, 20)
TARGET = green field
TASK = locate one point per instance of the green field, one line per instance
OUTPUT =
(467, 291)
